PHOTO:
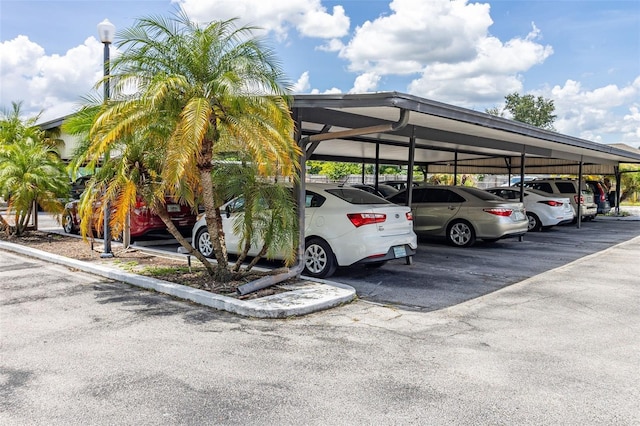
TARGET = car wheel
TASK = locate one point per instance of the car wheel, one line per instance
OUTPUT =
(461, 234)
(534, 223)
(319, 260)
(67, 223)
(203, 242)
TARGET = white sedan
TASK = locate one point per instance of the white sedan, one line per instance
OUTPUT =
(343, 226)
(543, 210)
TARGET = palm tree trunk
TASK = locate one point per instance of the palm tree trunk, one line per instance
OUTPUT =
(162, 213)
(256, 259)
(214, 225)
(4, 225)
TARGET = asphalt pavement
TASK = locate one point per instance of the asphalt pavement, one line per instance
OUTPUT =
(440, 276)
(561, 347)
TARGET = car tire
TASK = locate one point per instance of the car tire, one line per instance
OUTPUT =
(319, 260)
(67, 223)
(460, 233)
(534, 223)
(202, 242)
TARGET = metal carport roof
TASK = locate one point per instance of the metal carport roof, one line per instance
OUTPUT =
(442, 134)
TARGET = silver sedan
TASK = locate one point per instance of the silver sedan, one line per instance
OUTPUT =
(462, 214)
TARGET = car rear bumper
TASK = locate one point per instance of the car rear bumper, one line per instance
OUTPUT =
(392, 254)
(555, 218)
(504, 228)
(371, 248)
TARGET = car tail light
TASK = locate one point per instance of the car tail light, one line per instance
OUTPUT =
(360, 219)
(409, 216)
(140, 207)
(499, 211)
(575, 198)
(552, 203)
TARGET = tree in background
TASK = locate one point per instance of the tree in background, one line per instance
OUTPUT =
(629, 182)
(30, 171)
(334, 170)
(527, 109)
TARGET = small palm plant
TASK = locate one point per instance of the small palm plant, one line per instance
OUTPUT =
(268, 217)
(30, 172)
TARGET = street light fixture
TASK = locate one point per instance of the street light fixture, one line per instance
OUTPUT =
(106, 31)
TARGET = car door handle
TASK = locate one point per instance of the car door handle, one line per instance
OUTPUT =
(451, 207)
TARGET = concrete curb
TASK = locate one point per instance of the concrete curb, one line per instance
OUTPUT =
(303, 298)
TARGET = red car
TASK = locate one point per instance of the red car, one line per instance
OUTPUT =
(142, 220)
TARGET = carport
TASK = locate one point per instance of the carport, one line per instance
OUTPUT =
(397, 128)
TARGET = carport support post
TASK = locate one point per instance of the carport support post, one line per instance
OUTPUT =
(377, 165)
(412, 150)
(616, 172)
(522, 157)
(455, 168)
(579, 200)
(507, 161)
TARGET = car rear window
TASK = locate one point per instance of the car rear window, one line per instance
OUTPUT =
(540, 186)
(566, 187)
(356, 196)
(480, 193)
(508, 194)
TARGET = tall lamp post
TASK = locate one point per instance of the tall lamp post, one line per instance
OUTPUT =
(106, 31)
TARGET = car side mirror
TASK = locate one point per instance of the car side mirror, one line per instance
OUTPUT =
(227, 211)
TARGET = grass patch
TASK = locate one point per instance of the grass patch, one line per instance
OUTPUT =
(129, 266)
(156, 271)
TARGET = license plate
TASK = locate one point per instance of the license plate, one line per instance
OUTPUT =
(173, 208)
(400, 251)
(518, 215)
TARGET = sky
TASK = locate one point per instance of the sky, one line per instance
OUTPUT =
(582, 54)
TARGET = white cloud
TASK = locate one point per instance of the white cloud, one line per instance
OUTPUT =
(447, 43)
(595, 114)
(332, 91)
(494, 72)
(333, 45)
(302, 85)
(367, 82)
(417, 33)
(308, 17)
(49, 83)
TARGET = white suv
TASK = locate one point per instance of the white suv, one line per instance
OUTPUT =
(568, 188)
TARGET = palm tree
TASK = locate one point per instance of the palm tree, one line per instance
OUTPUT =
(207, 90)
(30, 172)
(131, 174)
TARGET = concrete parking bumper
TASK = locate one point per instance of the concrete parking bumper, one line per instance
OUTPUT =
(303, 297)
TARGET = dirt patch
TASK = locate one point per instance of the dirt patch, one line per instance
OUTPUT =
(136, 261)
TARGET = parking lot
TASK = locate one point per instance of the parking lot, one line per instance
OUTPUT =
(559, 348)
(443, 276)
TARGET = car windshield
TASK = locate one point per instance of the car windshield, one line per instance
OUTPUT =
(357, 196)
